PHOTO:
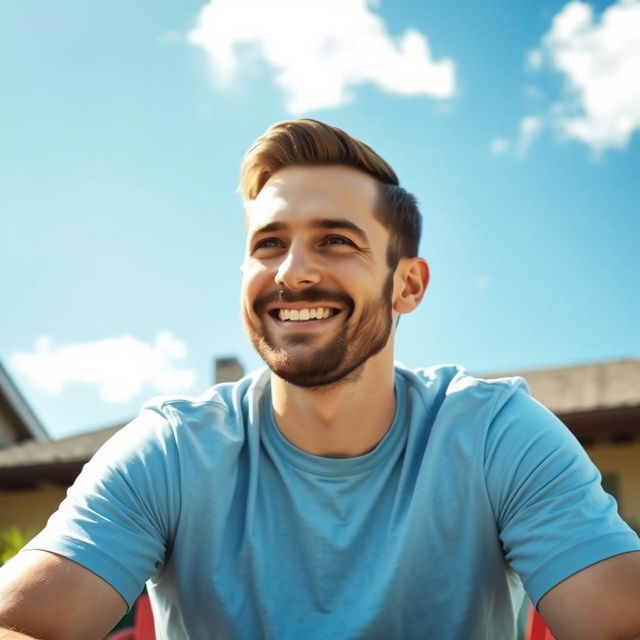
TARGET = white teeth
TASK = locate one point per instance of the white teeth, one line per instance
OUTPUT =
(301, 315)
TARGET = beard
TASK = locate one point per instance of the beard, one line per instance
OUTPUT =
(338, 361)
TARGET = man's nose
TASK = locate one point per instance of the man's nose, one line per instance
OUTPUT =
(298, 270)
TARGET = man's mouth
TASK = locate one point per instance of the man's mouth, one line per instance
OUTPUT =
(304, 314)
(315, 304)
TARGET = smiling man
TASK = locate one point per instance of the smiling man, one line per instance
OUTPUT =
(332, 495)
(303, 224)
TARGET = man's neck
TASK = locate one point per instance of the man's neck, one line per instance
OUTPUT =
(342, 420)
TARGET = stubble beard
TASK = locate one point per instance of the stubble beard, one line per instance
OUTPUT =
(340, 360)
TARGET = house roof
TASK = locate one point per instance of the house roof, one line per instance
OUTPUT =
(587, 387)
(29, 463)
(73, 449)
(22, 418)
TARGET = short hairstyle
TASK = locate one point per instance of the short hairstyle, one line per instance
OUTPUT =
(311, 142)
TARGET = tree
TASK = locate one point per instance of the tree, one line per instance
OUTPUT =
(11, 541)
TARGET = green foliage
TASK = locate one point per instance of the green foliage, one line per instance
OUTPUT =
(11, 541)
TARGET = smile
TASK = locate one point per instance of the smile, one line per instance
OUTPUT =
(303, 315)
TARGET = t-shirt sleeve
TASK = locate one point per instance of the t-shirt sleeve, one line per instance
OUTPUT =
(553, 516)
(119, 517)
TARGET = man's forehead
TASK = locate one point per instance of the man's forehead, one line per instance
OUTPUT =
(331, 190)
(326, 177)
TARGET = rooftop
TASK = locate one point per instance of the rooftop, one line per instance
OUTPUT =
(22, 418)
(586, 387)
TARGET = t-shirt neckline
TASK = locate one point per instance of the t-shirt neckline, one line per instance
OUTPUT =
(337, 466)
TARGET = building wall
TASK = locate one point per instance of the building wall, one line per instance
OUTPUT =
(7, 431)
(621, 461)
(29, 509)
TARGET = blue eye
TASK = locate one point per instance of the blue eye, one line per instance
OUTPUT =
(339, 240)
(269, 243)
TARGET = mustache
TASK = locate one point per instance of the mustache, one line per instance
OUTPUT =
(313, 294)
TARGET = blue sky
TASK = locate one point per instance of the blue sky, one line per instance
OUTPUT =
(122, 126)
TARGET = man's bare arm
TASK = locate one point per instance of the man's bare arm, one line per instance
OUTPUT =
(49, 597)
(601, 602)
(6, 634)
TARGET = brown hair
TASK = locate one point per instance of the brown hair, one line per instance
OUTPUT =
(311, 142)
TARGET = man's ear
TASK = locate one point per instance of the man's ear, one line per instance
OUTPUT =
(411, 282)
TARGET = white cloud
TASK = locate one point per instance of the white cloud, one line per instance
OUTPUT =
(528, 130)
(319, 50)
(499, 146)
(119, 367)
(600, 61)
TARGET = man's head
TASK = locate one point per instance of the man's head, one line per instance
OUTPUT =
(331, 252)
(311, 142)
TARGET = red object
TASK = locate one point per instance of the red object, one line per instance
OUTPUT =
(123, 634)
(143, 628)
(536, 627)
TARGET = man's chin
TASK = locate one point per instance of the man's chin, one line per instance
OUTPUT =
(303, 348)
(309, 378)
(303, 365)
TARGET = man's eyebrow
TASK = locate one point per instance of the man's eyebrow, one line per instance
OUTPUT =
(321, 223)
(269, 228)
(340, 223)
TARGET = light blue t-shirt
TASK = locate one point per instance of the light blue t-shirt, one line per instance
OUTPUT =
(241, 535)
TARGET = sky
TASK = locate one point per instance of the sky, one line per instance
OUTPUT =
(122, 128)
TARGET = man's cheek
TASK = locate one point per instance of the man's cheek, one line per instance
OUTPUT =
(254, 277)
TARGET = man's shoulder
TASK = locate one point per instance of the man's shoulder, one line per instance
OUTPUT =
(221, 412)
(454, 401)
(455, 382)
(227, 398)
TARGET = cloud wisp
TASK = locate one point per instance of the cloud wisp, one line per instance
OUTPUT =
(528, 130)
(119, 367)
(599, 62)
(319, 50)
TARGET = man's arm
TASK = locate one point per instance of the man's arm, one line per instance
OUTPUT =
(49, 597)
(6, 634)
(601, 602)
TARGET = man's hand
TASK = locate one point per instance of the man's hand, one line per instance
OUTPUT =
(49, 597)
(5, 634)
(601, 602)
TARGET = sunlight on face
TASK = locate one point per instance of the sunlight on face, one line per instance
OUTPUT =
(314, 243)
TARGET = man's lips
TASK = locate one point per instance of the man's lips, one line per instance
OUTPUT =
(302, 314)
(311, 304)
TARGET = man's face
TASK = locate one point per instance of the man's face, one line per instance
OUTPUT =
(316, 287)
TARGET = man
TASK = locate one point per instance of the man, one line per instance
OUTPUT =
(334, 496)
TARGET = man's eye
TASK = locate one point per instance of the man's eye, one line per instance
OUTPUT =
(268, 243)
(339, 240)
